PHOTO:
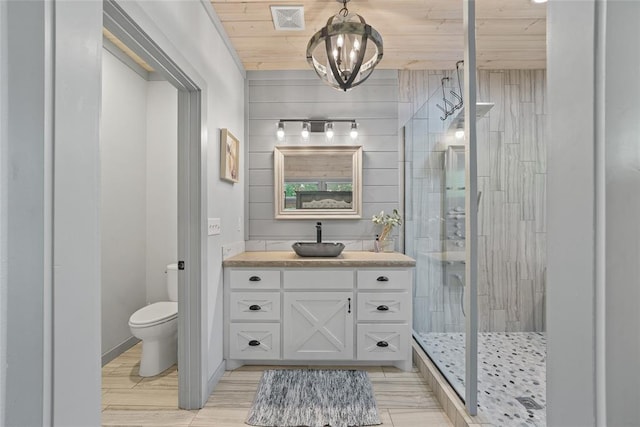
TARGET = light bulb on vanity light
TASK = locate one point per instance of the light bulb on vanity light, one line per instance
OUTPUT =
(354, 130)
(328, 130)
(459, 133)
(305, 130)
(280, 131)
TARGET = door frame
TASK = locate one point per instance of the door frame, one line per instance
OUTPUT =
(192, 384)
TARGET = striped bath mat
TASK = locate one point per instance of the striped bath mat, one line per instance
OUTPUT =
(314, 398)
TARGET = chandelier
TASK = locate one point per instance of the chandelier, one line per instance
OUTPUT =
(345, 51)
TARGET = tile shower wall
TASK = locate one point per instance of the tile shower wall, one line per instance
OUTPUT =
(301, 95)
(511, 217)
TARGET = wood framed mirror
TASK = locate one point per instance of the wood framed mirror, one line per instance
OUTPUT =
(316, 182)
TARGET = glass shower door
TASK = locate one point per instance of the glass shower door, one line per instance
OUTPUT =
(435, 233)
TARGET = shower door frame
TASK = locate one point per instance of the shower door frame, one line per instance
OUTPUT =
(471, 206)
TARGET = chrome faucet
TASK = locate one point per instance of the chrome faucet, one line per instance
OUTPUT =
(318, 232)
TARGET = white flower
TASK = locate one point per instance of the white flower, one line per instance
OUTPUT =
(388, 221)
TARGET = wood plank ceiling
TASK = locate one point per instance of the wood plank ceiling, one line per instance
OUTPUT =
(417, 34)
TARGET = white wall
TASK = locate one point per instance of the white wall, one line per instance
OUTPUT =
(186, 33)
(25, 141)
(77, 34)
(161, 186)
(123, 190)
(138, 195)
(570, 215)
(622, 145)
(74, 38)
(594, 236)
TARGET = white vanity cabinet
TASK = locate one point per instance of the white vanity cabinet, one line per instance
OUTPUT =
(354, 310)
(318, 326)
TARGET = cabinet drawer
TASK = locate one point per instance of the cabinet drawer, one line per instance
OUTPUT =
(384, 279)
(255, 279)
(254, 341)
(383, 342)
(387, 306)
(255, 306)
(318, 279)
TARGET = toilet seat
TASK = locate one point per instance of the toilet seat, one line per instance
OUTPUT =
(154, 314)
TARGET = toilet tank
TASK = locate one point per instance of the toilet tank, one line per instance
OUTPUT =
(172, 281)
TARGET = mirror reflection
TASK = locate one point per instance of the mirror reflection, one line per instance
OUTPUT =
(317, 182)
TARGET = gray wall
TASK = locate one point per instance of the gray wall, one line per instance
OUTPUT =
(123, 162)
(571, 391)
(25, 143)
(301, 94)
(179, 29)
(3, 206)
(76, 203)
(65, 342)
(512, 211)
(622, 144)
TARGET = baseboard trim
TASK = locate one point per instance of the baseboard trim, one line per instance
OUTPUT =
(119, 349)
(448, 398)
(213, 381)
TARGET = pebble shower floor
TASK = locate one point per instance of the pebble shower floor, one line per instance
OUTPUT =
(511, 365)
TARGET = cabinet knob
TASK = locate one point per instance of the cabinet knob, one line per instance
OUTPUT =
(255, 343)
(382, 344)
(382, 279)
(254, 279)
(255, 307)
(382, 308)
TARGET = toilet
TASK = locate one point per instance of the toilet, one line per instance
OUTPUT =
(157, 326)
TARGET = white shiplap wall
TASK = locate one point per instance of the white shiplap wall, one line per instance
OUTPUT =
(301, 95)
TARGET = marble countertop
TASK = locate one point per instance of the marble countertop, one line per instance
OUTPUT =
(346, 259)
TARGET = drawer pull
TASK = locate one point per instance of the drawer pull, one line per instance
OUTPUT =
(255, 307)
(255, 343)
(382, 344)
(382, 279)
(382, 308)
(254, 279)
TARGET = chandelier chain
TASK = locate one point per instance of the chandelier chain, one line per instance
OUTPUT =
(344, 11)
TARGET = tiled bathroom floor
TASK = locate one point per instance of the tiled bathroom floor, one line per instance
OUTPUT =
(404, 398)
(510, 365)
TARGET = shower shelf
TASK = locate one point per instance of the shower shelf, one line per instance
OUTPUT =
(482, 108)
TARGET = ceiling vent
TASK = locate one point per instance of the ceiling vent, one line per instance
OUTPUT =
(288, 18)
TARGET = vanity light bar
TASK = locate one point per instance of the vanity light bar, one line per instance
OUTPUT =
(316, 126)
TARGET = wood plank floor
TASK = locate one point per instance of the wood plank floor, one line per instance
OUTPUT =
(404, 398)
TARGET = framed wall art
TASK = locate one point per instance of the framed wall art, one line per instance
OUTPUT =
(229, 156)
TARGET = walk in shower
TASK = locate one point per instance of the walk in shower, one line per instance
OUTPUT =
(511, 237)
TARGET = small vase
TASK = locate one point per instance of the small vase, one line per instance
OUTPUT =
(388, 244)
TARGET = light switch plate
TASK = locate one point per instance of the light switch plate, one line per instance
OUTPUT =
(214, 226)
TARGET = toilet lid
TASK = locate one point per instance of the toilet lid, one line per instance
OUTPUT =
(158, 312)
